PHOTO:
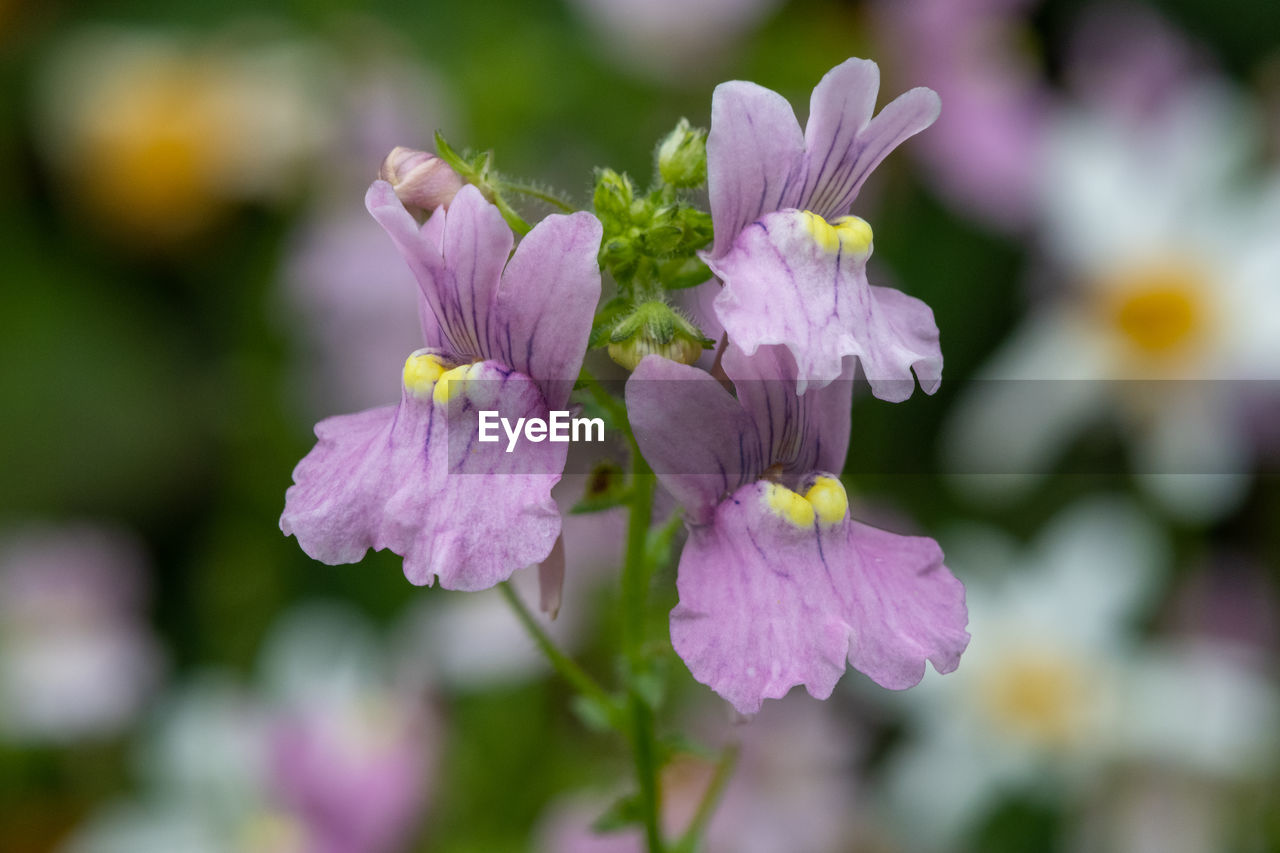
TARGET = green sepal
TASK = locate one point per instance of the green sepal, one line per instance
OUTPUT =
(605, 320)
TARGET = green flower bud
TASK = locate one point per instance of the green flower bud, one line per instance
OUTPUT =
(682, 156)
(613, 197)
(654, 328)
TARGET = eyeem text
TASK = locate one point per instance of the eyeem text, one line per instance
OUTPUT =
(560, 427)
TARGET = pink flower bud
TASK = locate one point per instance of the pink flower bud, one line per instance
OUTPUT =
(422, 181)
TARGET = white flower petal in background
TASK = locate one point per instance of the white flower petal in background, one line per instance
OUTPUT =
(1169, 261)
(1060, 696)
(78, 659)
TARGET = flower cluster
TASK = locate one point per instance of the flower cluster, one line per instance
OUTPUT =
(778, 586)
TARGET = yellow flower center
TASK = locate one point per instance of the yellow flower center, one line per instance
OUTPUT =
(422, 371)
(826, 501)
(152, 150)
(272, 832)
(1044, 696)
(1158, 311)
(848, 233)
(453, 383)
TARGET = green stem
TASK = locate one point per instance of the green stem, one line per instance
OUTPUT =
(710, 799)
(562, 664)
(616, 409)
(540, 194)
(514, 221)
(635, 608)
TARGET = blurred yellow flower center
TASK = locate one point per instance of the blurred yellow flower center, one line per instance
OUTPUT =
(1042, 696)
(826, 500)
(152, 151)
(272, 832)
(1159, 310)
(848, 233)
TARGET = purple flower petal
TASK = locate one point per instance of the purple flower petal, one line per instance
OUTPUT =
(703, 443)
(534, 316)
(785, 284)
(421, 251)
(695, 436)
(459, 276)
(766, 604)
(848, 163)
(839, 110)
(800, 432)
(543, 312)
(752, 148)
(414, 479)
(758, 161)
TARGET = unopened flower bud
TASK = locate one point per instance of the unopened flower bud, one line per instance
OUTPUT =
(655, 329)
(422, 181)
(613, 196)
(682, 156)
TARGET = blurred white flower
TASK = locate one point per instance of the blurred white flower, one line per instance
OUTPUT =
(153, 134)
(1058, 690)
(1169, 247)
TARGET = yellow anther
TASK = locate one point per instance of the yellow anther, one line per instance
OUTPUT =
(829, 500)
(848, 233)
(452, 383)
(421, 372)
(822, 232)
(854, 234)
(788, 505)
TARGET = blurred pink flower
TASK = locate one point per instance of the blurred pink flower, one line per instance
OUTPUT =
(983, 152)
(795, 789)
(333, 751)
(77, 658)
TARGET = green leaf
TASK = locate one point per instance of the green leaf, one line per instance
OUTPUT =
(649, 682)
(598, 715)
(626, 811)
(675, 744)
(658, 549)
(679, 273)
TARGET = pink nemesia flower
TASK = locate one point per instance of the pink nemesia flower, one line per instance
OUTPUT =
(778, 586)
(501, 335)
(790, 276)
